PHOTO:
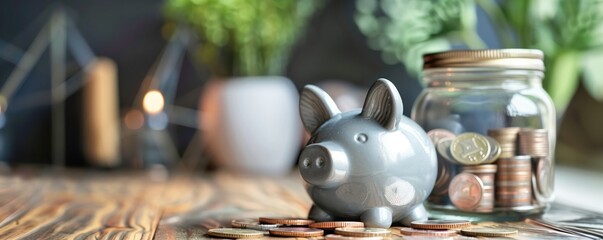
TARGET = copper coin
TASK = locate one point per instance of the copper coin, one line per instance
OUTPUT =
(341, 237)
(296, 232)
(512, 184)
(487, 179)
(465, 191)
(508, 131)
(287, 221)
(336, 224)
(426, 232)
(440, 224)
(235, 233)
(484, 168)
(437, 134)
(516, 178)
(363, 232)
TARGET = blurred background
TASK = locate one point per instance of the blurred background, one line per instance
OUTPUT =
(194, 84)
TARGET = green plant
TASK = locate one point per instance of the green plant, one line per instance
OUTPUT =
(243, 37)
(567, 31)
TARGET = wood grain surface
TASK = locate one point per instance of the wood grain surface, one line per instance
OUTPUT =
(92, 205)
(149, 205)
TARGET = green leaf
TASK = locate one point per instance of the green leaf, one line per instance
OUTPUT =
(592, 64)
(563, 78)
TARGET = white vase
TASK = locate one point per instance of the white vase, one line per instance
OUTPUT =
(251, 124)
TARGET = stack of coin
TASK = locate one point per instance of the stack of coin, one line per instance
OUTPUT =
(298, 228)
(486, 173)
(507, 138)
(534, 142)
(514, 181)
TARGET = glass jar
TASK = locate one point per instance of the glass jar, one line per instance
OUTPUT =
(494, 129)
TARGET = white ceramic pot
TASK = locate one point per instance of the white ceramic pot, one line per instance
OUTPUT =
(251, 124)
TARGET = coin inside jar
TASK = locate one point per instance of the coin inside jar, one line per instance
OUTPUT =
(495, 150)
(470, 148)
(466, 191)
(443, 149)
(437, 134)
(543, 177)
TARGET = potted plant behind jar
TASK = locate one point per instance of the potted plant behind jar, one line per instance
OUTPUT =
(248, 109)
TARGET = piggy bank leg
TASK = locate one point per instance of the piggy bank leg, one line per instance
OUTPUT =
(320, 215)
(380, 217)
(419, 213)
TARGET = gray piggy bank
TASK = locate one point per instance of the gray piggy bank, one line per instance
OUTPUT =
(374, 164)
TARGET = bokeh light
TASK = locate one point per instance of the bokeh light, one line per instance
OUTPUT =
(153, 102)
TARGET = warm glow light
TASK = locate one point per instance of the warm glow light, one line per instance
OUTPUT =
(153, 102)
(134, 119)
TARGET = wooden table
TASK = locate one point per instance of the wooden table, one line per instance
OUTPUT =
(94, 205)
(77, 204)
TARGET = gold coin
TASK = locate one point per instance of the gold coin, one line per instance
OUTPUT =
(235, 233)
(466, 191)
(426, 232)
(337, 224)
(470, 149)
(287, 221)
(341, 237)
(488, 232)
(296, 232)
(440, 224)
(495, 150)
(363, 232)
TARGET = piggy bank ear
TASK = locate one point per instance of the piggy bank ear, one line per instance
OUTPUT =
(316, 107)
(383, 104)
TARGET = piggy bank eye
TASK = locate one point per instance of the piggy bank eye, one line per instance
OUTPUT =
(361, 138)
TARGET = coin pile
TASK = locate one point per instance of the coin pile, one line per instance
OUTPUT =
(349, 230)
(486, 174)
(449, 228)
(514, 181)
(481, 185)
(506, 137)
(534, 142)
(299, 228)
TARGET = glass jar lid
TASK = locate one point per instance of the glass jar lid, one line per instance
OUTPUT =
(528, 59)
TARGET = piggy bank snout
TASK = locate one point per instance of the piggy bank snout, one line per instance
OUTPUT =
(323, 164)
